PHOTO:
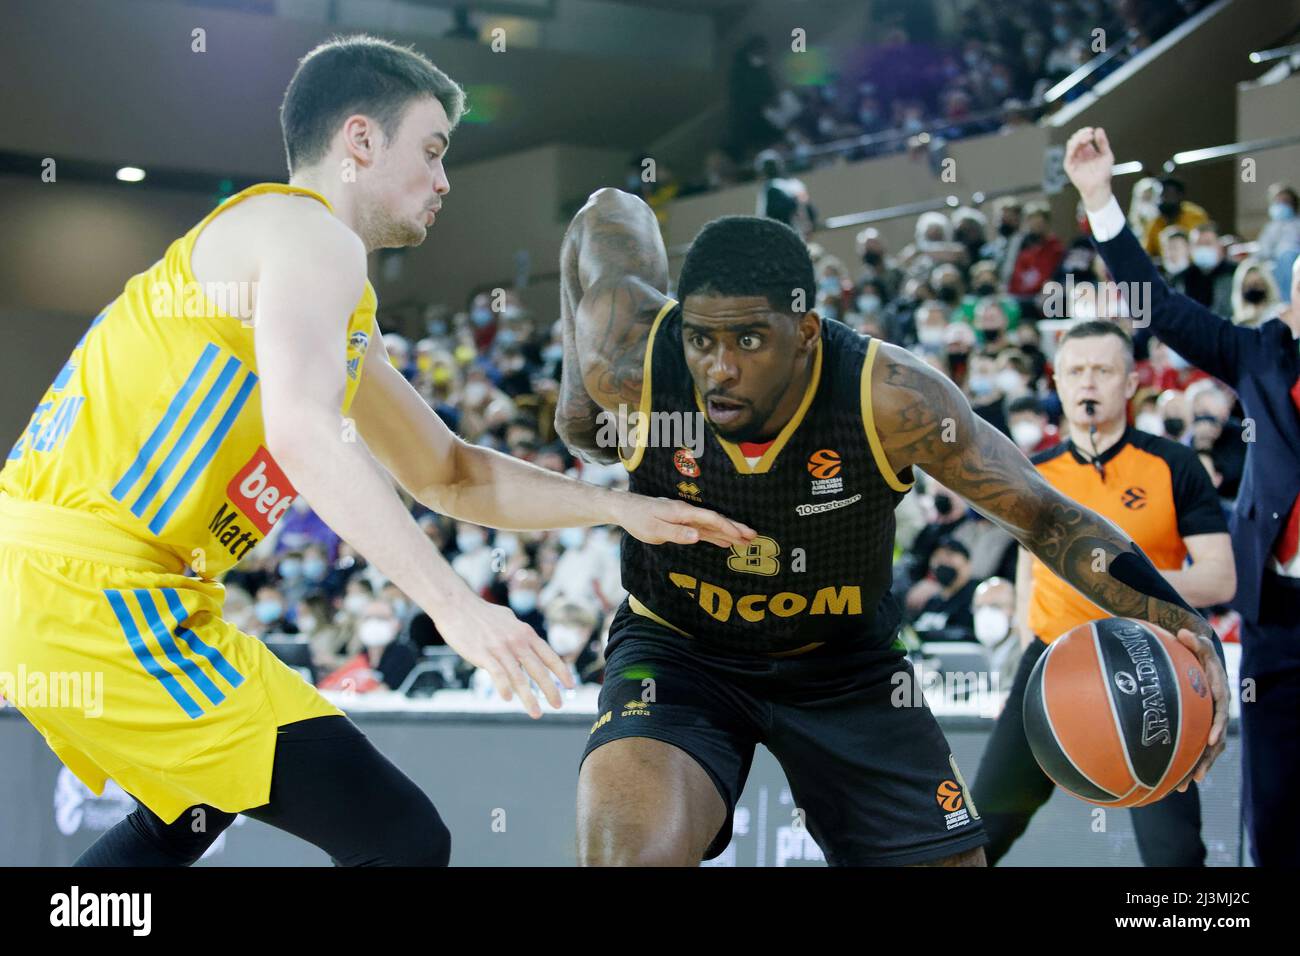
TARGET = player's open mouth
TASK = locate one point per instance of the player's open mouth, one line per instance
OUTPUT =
(723, 411)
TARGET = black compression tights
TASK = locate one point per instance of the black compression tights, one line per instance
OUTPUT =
(329, 786)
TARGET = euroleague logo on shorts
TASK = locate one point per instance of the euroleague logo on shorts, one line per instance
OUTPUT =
(824, 466)
(949, 796)
(685, 463)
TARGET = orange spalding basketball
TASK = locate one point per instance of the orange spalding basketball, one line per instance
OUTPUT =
(1117, 712)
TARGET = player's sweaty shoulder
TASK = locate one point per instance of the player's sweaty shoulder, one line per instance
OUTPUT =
(919, 413)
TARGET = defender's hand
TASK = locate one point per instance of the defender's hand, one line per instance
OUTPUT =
(491, 637)
(662, 520)
(1088, 163)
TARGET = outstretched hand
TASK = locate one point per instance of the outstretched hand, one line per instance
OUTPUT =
(664, 521)
(1088, 163)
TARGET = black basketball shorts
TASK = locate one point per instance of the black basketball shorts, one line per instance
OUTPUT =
(865, 758)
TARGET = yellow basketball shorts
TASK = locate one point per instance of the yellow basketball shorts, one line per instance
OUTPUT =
(126, 667)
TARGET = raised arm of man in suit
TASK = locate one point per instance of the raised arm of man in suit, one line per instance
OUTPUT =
(1210, 342)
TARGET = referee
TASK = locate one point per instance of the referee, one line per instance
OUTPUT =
(1157, 491)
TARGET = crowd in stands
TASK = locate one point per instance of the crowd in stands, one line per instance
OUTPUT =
(989, 73)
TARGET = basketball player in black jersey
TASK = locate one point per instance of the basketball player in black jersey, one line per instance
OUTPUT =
(812, 435)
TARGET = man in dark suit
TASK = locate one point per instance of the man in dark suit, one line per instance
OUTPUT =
(1263, 365)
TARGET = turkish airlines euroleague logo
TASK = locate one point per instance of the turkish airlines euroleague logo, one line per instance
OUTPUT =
(261, 491)
(824, 464)
(949, 796)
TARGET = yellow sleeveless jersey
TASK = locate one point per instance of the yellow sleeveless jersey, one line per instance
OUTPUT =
(155, 423)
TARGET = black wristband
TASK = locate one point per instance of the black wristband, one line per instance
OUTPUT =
(1135, 570)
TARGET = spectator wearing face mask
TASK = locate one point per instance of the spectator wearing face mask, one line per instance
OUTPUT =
(933, 242)
(329, 640)
(783, 197)
(1004, 245)
(386, 657)
(994, 622)
(1279, 240)
(271, 613)
(357, 593)
(473, 561)
(524, 587)
(931, 323)
(1216, 433)
(587, 571)
(1143, 205)
(985, 286)
(877, 265)
(1209, 278)
(1175, 254)
(991, 323)
(1030, 429)
(570, 630)
(984, 391)
(946, 515)
(319, 574)
(301, 526)
(1174, 416)
(1173, 209)
(484, 323)
(1040, 253)
(237, 608)
(970, 230)
(1255, 298)
(945, 613)
(948, 285)
(389, 654)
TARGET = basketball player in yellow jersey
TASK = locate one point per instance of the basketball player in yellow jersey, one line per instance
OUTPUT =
(177, 435)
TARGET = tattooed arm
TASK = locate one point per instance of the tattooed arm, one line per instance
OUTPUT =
(613, 280)
(924, 420)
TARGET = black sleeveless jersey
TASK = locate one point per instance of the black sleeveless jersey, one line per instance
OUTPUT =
(821, 498)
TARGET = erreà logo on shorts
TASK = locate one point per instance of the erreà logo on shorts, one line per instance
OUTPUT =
(262, 494)
(74, 908)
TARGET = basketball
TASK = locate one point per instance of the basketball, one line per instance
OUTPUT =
(1117, 712)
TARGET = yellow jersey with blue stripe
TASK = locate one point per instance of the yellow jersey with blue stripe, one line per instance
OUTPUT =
(142, 476)
(155, 423)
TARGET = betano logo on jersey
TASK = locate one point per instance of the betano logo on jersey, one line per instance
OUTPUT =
(719, 603)
(262, 494)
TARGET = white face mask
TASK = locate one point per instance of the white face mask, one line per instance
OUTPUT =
(929, 335)
(467, 541)
(1151, 423)
(565, 639)
(1026, 435)
(1010, 383)
(355, 604)
(307, 624)
(991, 625)
(572, 538)
(376, 631)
